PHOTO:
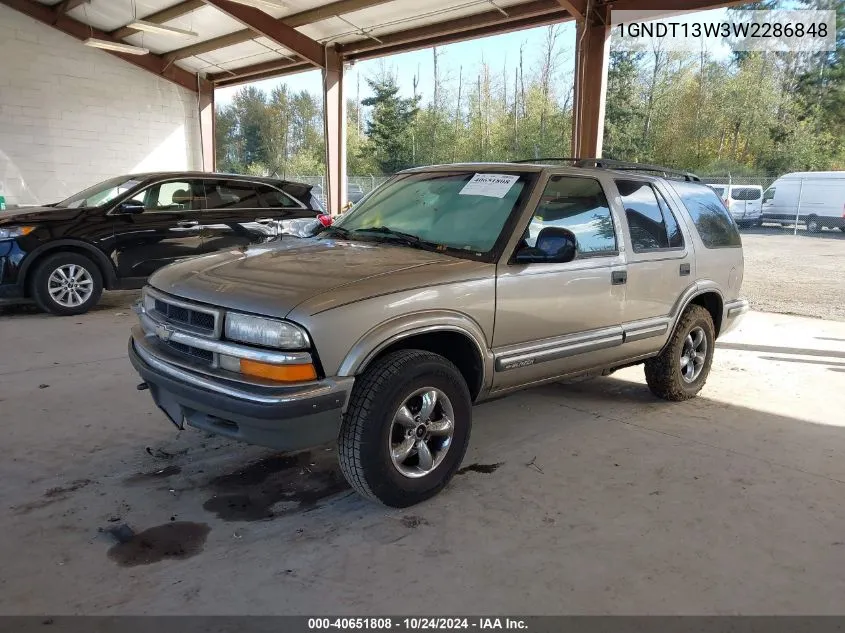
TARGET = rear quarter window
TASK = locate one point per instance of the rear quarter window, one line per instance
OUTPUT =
(712, 221)
(746, 193)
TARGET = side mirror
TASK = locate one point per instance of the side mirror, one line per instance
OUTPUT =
(130, 207)
(554, 246)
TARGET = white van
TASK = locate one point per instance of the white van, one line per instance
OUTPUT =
(745, 202)
(822, 200)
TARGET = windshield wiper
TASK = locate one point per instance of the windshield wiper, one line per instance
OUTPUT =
(405, 238)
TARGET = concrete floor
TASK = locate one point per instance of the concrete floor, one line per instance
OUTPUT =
(605, 500)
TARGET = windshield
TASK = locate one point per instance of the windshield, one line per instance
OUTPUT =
(101, 193)
(461, 211)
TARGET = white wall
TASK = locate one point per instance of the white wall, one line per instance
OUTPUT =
(71, 115)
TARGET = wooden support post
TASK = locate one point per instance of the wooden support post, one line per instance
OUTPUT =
(334, 101)
(591, 62)
(206, 120)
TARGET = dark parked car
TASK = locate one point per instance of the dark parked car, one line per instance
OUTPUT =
(115, 234)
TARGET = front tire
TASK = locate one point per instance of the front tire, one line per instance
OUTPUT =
(681, 369)
(66, 284)
(813, 224)
(406, 429)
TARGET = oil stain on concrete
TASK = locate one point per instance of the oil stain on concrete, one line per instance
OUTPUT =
(479, 468)
(176, 540)
(277, 486)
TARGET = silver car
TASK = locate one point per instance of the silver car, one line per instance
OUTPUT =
(447, 286)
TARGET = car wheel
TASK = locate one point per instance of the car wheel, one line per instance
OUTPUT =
(813, 224)
(842, 228)
(680, 370)
(66, 284)
(406, 429)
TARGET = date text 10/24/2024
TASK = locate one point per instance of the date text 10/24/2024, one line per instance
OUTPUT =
(415, 624)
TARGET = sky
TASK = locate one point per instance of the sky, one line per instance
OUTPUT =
(499, 51)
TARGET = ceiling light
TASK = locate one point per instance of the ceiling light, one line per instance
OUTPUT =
(152, 27)
(263, 4)
(117, 47)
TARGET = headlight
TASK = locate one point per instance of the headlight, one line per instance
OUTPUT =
(265, 332)
(15, 231)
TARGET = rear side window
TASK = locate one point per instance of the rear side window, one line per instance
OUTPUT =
(650, 221)
(711, 218)
(745, 193)
(274, 198)
(230, 194)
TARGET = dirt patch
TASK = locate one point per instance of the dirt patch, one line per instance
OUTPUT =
(161, 473)
(177, 540)
(413, 521)
(485, 469)
(276, 486)
(53, 495)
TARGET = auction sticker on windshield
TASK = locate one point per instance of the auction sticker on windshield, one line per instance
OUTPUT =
(491, 185)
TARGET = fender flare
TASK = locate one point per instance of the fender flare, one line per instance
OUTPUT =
(103, 262)
(697, 289)
(381, 336)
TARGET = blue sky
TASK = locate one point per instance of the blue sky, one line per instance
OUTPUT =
(499, 51)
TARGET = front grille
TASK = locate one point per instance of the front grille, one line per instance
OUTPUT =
(201, 321)
(188, 350)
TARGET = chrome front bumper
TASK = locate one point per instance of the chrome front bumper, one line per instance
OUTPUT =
(289, 417)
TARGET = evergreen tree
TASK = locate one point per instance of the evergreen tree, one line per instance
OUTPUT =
(391, 143)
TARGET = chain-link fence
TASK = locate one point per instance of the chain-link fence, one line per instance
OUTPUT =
(356, 186)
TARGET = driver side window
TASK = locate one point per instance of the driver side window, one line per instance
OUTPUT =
(579, 205)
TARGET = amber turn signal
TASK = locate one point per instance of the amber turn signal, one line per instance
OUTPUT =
(279, 373)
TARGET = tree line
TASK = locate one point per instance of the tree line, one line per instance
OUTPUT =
(750, 113)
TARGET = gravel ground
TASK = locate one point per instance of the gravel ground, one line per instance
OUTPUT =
(795, 274)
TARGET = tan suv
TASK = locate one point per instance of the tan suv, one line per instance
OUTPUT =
(446, 286)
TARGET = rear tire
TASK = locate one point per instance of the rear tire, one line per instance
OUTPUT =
(813, 224)
(66, 284)
(376, 433)
(669, 375)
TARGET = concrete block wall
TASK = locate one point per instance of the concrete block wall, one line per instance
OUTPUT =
(71, 116)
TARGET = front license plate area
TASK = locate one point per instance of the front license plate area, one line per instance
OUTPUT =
(167, 403)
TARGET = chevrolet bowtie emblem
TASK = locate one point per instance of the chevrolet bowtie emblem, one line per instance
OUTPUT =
(164, 332)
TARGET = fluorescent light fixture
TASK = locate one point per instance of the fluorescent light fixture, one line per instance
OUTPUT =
(117, 47)
(152, 27)
(263, 4)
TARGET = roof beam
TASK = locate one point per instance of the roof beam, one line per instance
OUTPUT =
(160, 17)
(222, 81)
(68, 5)
(450, 37)
(154, 64)
(257, 69)
(268, 26)
(294, 20)
(576, 8)
(456, 26)
(672, 6)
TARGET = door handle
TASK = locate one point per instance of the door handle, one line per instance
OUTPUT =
(187, 223)
(684, 270)
(618, 277)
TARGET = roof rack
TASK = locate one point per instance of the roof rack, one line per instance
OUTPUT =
(619, 165)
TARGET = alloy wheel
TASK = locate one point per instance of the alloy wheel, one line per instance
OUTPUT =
(693, 354)
(421, 432)
(70, 285)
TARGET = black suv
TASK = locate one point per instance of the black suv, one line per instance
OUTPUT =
(115, 234)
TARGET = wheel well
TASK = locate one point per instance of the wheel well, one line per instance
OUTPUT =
(66, 248)
(712, 302)
(456, 347)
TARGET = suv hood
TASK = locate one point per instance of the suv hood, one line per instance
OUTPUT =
(273, 279)
(37, 214)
